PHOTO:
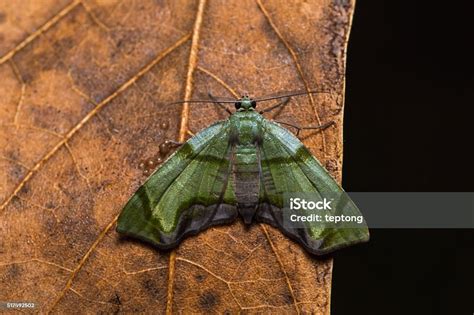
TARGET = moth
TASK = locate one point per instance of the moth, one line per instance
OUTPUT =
(239, 166)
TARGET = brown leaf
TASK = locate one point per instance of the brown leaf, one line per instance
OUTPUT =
(83, 89)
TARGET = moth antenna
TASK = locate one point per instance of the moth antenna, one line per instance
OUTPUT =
(290, 94)
(200, 101)
(261, 99)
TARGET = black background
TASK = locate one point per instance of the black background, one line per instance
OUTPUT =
(408, 127)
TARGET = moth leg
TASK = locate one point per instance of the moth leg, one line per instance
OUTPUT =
(298, 128)
(282, 103)
(220, 104)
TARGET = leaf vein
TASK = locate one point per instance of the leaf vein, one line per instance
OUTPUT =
(92, 113)
(290, 288)
(183, 130)
(47, 25)
(219, 80)
(299, 69)
(82, 263)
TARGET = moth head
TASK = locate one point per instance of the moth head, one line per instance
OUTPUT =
(245, 103)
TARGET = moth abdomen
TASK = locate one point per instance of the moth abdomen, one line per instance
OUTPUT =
(246, 181)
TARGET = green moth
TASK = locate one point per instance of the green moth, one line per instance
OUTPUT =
(239, 166)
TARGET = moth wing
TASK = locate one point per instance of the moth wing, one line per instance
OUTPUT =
(287, 166)
(188, 193)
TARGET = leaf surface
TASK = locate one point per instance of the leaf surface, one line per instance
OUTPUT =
(82, 108)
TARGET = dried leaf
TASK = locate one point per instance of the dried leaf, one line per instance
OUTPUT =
(83, 94)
